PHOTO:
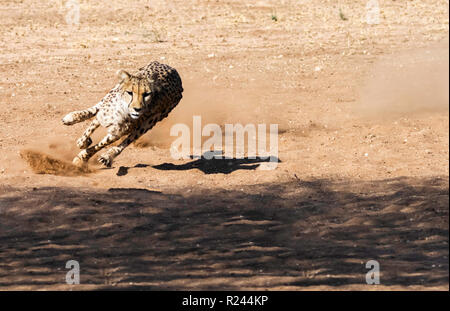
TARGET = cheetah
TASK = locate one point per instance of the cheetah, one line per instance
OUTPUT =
(131, 108)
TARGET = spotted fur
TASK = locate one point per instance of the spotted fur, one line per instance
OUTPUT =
(130, 109)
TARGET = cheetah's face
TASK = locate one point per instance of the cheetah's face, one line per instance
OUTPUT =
(139, 91)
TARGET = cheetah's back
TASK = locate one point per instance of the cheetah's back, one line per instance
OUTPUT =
(166, 89)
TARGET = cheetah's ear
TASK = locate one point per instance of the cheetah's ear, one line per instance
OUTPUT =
(123, 75)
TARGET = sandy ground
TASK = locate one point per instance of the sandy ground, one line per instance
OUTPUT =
(363, 147)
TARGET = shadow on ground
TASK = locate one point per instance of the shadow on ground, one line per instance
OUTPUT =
(271, 236)
(209, 165)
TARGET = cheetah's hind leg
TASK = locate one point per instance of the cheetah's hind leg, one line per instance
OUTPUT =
(84, 155)
(79, 116)
(85, 140)
(107, 158)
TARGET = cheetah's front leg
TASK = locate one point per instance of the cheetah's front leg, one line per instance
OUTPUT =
(108, 157)
(85, 140)
(86, 154)
(79, 116)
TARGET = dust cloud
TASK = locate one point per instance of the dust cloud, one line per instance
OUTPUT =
(407, 84)
(54, 156)
(244, 104)
(41, 163)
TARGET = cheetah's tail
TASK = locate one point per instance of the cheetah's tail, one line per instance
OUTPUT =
(79, 116)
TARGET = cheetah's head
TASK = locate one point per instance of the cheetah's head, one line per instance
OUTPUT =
(138, 88)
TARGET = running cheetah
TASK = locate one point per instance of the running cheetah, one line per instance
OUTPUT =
(131, 108)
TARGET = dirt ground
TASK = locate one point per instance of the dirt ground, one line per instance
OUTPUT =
(363, 144)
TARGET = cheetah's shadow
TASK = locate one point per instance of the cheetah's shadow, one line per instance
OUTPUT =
(209, 164)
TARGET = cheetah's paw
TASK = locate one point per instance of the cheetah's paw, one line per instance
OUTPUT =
(105, 160)
(78, 161)
(83, 143)
(68, 119)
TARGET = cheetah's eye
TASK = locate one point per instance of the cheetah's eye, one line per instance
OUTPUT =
(146, 96)
(130, 93)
